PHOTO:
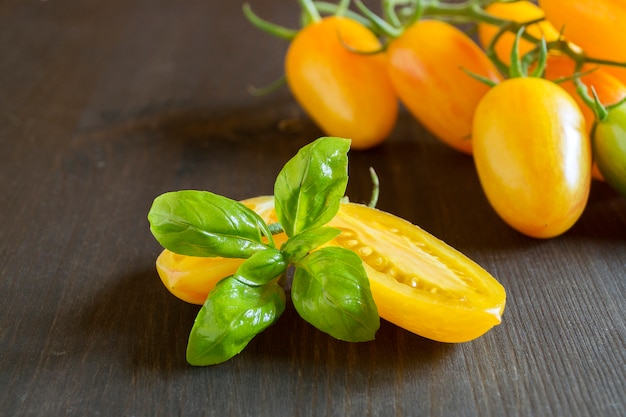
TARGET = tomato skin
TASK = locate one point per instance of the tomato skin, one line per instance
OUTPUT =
(346, 93)
(417, 281)
(533, 156)
(425, 66)
(520, 12)
(609, 146)
(597, 26)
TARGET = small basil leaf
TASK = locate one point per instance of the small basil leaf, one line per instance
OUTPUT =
(298, 246)
(231, 316)
(331, 291)
(262, 267)
(200, 223)
(308, 189)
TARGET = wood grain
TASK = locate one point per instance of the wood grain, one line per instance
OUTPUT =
(106, 104)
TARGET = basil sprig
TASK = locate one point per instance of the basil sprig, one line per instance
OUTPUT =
(330, 289)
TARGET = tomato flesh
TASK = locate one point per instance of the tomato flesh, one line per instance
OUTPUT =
(418, 282)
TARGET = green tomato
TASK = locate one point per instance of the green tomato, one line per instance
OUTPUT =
(609, 147)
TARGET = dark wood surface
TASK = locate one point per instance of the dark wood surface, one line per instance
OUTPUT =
(106, 104)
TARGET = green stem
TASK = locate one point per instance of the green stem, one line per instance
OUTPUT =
(275, 228)
(389, 12)
(268, 27)
(469, 10)
(342, 8)
(581, 89)
(263, 91)
(601, 112)
(310, 11)
(491, 50)
(417, 13)
(375, 189)
(541, 60)
(578, 55)
(334, 9)
(517, 68)
(379, 23)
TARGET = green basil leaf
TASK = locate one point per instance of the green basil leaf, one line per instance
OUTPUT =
(297, 247)
(308, 189)
(331, 291)
(200, 223)
(231, 316)
(262, 267)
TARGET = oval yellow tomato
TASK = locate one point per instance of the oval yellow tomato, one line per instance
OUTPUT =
(418, 282)
(346, 93)
(520, 12)
(597, 26)
(426, 65)
(533, 155)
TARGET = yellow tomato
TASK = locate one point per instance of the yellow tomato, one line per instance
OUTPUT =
(426, 66)
(346, 93)
(418, 282)
(533, 155)
(597, 26)
(520, 12)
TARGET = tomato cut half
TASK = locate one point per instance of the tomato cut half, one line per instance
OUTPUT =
(418, 282)
(191, 278)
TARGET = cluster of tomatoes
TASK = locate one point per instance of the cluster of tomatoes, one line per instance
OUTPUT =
(541, 111)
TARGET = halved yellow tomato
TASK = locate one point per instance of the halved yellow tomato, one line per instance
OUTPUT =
(418, 282)
(191, 278)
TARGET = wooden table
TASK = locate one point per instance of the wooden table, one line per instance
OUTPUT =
(107, 104)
